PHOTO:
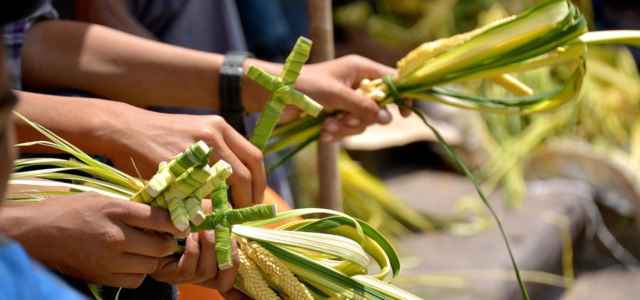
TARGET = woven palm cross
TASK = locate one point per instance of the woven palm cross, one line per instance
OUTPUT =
(283, 92)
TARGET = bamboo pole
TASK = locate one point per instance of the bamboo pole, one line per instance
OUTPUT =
(321, 32)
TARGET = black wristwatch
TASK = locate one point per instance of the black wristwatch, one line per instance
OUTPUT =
(230, 95)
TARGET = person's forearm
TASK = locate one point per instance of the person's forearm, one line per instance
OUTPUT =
(116, 65)
(120, 66)
(14, 221)
(86, 123)
(25, 224)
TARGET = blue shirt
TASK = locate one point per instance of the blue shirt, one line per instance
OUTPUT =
(22, 278)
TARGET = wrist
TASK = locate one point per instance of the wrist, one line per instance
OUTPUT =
(21, 223)
(109, 127)
(230, 89)
(12, 218)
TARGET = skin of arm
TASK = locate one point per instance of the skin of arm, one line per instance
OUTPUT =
(93, 238)
(113, 242)
(125, 133)
(116, 65)
(75, 119)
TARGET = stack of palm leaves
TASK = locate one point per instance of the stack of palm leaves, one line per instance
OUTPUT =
(603, 121)
(309, 258)
(553, 34)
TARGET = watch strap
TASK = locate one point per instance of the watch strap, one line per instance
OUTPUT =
(230, 87)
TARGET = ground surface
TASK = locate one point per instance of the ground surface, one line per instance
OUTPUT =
(477, 267)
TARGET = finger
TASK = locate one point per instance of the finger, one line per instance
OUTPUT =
(240, 179)
(384, 116)
(252, 158)
(129, 281)
(179, 270)
(207, 206)
(226, 278)
(348, 120)
(167, 269)
(367, 68)
(362, 107)
(329, 130)
(331, 126)
(128, 263)
(342, 133)
(335, 130)
(207, 264)
(289, 114)
(188, 263)
(148, 243)
(405, 111)
(146, 217)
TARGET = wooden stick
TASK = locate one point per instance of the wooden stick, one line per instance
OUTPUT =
(321, 32)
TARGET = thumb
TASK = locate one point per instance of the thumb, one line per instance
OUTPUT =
(146, 217)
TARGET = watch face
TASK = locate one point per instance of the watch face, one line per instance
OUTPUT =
(11, 11)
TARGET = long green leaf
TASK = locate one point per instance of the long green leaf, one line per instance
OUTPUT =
(611, 37)
(62, 145)
(79, 187)
(335, 245)
(532, 33)
(294, 213)
(332, 224)
(385, 288)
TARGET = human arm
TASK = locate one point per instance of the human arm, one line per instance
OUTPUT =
(93, 238)
(125, 133)
(198, 263)
(116, 65)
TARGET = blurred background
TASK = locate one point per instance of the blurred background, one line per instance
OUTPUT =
(566, 181)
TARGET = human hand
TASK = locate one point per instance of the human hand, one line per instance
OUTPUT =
(333, 84)
(93, 238)
(198, 265)
(149, 138)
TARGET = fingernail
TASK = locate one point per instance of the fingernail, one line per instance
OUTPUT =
(384, 116)
(332, 127)
(353, 122)
(182, 234)
(210, 236)
(195, 237)
(327, 138)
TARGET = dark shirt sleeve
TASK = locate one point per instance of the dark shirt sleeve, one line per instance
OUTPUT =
(14, 34)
